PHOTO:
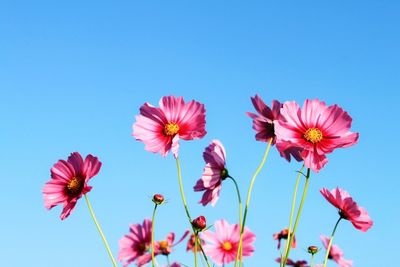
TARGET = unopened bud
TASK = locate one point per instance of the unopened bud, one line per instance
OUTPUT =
(312, 250)
(158, 199)
(199, 223)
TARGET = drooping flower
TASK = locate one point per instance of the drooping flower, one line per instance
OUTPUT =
(222, 245)
(69, 181)
(214, 173)
(264, 124)
(164, 247)
(192, 241)
(336, 253)
(316, 129)
(161, 128)
(283, 234)
(348, 208)
(289, 262)
(135, 246)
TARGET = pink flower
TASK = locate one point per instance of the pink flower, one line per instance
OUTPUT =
(316, 130)
(222, 245)
(348, 208)
(69, 182)
(164, 247)
(264, 124)
(290, 262)
(214, 173)
(135, 246)
(336, 253)
(191, 242)
(161, 128)
(283, 235)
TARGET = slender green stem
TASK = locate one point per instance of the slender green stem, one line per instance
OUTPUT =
(240, 212)
(178, 166)
(152, 235)
(100, 231)
(296, 187)
(196, 238)
(239, 255)
(168, 261)
(312, 260)
(330, 241)
(303, 197)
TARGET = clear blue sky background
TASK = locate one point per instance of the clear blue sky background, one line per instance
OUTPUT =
(73, 75)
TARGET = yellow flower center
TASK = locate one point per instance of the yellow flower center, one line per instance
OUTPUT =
(313, 135)
(74, 186)
(171, 128)
(163, 244)
(227, 246)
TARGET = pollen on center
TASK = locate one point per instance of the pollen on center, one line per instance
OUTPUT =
(171, 128)
(313, 135)
(227, 246)
(75, 185)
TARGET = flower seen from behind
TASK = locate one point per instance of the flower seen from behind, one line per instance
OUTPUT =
(160, 128)
(283, 234)
(316, 129)
(336, 253)
(348, 208)
(222, 245)
(69, 181)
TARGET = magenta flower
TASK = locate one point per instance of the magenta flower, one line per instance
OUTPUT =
(290, 262)
(283, 234)
(336, 253)
(69, 182)
(135, 246)
(164, 247)
(161, 128)
(222, 245)
(316, 130)
(214, 173)
(348, 208)
(191, 243)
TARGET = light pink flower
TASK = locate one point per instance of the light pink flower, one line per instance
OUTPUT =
(69, 182)
(135, 246)
(316, 130)
(161, 128)
(164, 247)
(264, 124)
(283, 234)
(336, 253)
(348, 208)
(289, 262)
(222, 245)
(214, 173)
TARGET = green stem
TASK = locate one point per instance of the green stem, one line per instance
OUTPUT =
(312, 260)
(239, 255)
(296, 187)
(196, 238)
(240, 212)
(152, 235)
(100, 231)
(303, 197)
(168, 262)
(330, 241)
(178, 166)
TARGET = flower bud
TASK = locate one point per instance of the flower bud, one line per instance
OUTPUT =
(312, 250)
(158, 199)
(199, 223)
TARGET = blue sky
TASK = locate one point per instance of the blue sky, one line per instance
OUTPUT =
(73, 75)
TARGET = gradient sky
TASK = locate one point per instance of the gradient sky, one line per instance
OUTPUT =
(73, 75)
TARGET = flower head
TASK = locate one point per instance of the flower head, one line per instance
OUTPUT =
(161, 128)
(348, 208)
(316, 130)
(222, 245)
(165, 246)
(192, 241)
(135, 246)
(283, 234)
(214, 173)
(69, 181)
(336, 253)
(289, 262)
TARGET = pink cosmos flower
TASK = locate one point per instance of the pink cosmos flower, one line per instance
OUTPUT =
(214, 173)
(161, 128)
(316, 130)
(348, 208)
(264, 124)
(283, 235)
(135, 246)
(290, 262)
(69, 182)
(191, 242)
(336, 253)
(164, 247)
(222, 245)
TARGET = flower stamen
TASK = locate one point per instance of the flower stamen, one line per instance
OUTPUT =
(170, 129)
(313, 135)
(227, 246)
(75, 185)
